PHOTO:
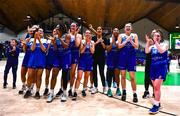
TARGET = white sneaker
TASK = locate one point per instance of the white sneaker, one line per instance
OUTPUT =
(63, 98)
(94, 90)
(104, 90)
(32, 91)
(90, 89)
(50, 98)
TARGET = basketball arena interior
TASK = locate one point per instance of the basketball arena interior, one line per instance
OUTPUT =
(99, 63)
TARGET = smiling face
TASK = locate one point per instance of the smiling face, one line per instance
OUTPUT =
(157, 37)
(128, 28)
(99, 30)
(41, 33)
(73, 27)
(88, 35)
(13, 42)
(115, 32)
(31, 31)
(54, 32)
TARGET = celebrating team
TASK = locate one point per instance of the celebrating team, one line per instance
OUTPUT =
(70, 51)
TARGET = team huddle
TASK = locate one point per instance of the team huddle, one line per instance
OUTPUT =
(69, 51)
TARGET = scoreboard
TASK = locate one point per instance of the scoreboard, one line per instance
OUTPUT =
(174, 40)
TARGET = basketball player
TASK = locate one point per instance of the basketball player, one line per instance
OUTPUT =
(58, 62)
(112, 61)
(75, 44)
(50, 57)
(24, 67)
(127, 43)
(85, 63)
(38, 48)
(158, 67)
(147, 80)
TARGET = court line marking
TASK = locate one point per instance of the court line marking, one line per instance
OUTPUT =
(135, 103)
(139, 105)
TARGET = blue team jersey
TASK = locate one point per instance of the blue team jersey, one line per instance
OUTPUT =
(86, 58)
(38, 57)
(50, 55)
(127, 54)
(27, 53)
(74, 50)
(112, 55)
(66, 59)
(59, 47)
(158, 58)
(158, 69)
(128, 47)
(27, 36)
(63, 55)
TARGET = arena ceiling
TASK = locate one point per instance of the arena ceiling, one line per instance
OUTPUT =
(114, 13)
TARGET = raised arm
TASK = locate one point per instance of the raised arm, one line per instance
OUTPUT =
(148, 44)
(53, 41)
(92, 29)
(23, 43)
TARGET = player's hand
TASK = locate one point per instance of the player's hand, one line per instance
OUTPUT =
(148, 40)
(23, 41)
(101, 40)
(88, 43)
(155, 40)
(77, 31)
(128, 39)
(14, 48)
(98, 41)
(113, 39)
(90, 26)
(27, 39)
(50, 37)
(37, 35)
(59, 34)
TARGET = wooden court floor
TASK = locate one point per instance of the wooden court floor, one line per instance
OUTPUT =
(12, 104)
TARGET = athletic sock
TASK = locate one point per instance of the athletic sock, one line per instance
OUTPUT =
(156, 102)
(52, 91)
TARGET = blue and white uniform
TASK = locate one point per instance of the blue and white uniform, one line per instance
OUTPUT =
(74, 51)
(50, 56)
(58, 55)
(127, 54)
(38, 57)
(158, 68)
(86, 58)
(66, 59)
(112, 55)
(27, 53)
(63, 56)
